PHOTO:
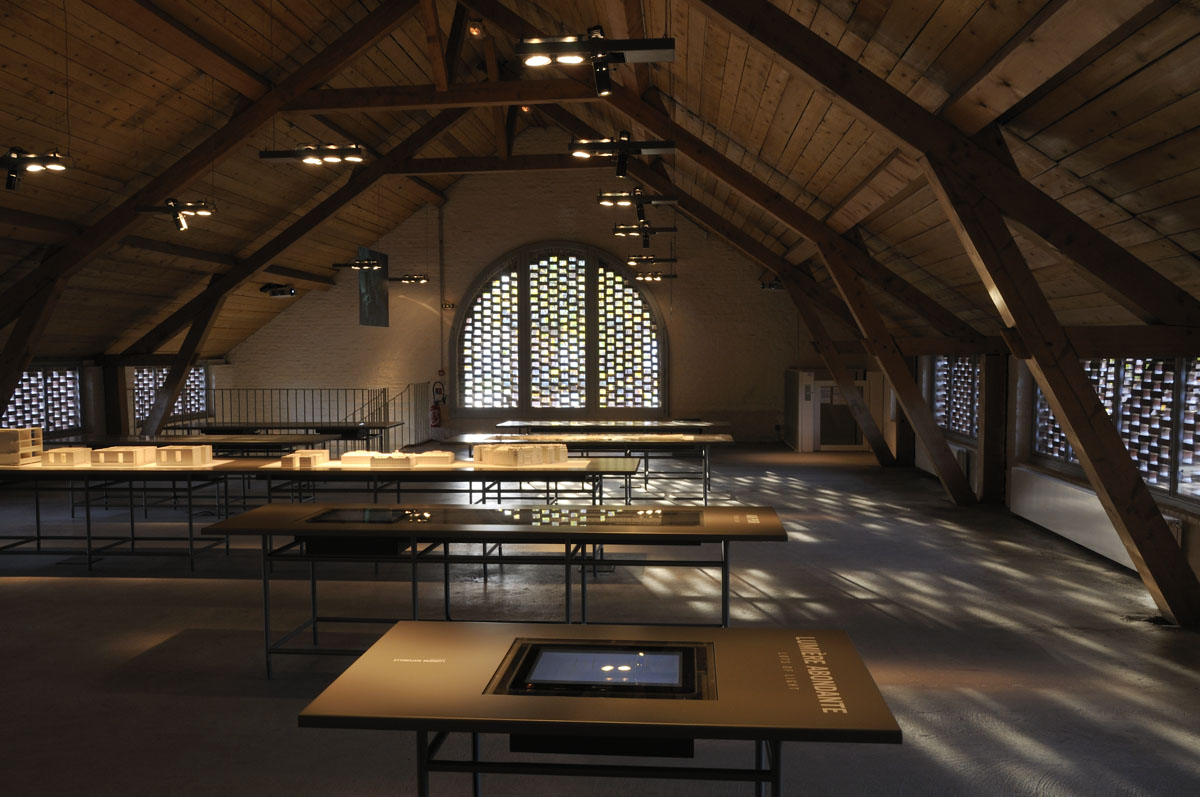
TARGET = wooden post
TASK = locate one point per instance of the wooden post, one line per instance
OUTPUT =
(172, 386)
(882, 346)
(991, 453)
(1055, 365)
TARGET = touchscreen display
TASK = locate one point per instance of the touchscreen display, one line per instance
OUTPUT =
(598, 666)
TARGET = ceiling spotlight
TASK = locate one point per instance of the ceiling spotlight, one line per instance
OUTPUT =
(277, 291)
(635, 197)
(644, 230)
(577, 49)
(525, 109)
(475, 28)
(360, 265)
(621, 148)
(653, 276)
(179, 211)
(633, 261)
(19, 161)
(317, 154)
(411, 279)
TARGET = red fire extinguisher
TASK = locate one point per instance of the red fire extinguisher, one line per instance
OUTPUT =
(435, 410)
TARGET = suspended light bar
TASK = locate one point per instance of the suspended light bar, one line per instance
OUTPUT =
(317, 154)
(607, 147)
(179, 211)
(577, 49)
(653, 276)
(634, 261)
(19, 161)
(360, 265)
(644, 230)
(634, 197)
(411, 279)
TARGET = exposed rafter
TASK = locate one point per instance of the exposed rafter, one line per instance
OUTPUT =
(435, 44)
(1139, 288)
(360, 180)
(460, 95)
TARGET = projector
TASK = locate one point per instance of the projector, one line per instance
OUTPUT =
(274, 289)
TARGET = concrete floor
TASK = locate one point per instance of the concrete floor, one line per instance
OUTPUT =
(1015, 662)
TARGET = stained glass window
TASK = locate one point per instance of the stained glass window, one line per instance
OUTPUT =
(193, 399)
(47, 398)
(578, 332)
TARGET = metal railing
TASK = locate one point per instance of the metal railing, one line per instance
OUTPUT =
(319, 407)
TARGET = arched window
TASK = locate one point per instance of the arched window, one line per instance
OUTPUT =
(560, 329)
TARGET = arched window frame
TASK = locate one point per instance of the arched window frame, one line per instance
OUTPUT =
(520, 258)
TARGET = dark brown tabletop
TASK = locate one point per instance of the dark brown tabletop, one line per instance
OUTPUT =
(771, 684)
(599, 440)
(632, 426)
(598, 524)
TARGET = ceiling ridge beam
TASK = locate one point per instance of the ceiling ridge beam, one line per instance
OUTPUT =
(360, 180)
(1131, 283)
(492, 163)
(430, 97)
(78, 251)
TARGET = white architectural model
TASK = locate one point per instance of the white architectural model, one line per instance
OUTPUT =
(184, 455)
(416, 459)
(519, 455)
(123, 456)
(20, 446)
(359, 458)
(72, 457)
(304, 459)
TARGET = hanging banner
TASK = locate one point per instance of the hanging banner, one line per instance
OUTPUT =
(373, 290)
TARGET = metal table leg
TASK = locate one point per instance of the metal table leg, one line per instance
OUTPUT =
(266, 583)
(724, 583)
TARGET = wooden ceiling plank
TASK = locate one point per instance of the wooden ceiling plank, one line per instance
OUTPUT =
(460, 95)
(1056, 366)
(1123, 277)
(157, 26)
(435, 45)
(361, 179)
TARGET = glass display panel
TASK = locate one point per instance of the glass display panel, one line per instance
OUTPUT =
(605, 665)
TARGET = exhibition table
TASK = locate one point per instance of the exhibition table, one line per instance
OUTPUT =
(626, 690)
(181, 485)
(682, 426)
(674, 445)
(232, 444)
(347, 430)
(423, 535)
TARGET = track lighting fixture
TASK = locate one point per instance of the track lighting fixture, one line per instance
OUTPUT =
(317, 154)
(360, 265)
(644, 230)
(635, 197)
(633, 261)
(179, 211)
(653, 276)
(19, 161)
(411, 279)
(621, 148)
(577, 49)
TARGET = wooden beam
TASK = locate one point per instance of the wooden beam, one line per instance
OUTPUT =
(1057, 34)
(625, 22)
(181, 364)
(460, 95)
(454, 42)
(991, 452)
(883, 348)
(114, 224)
(489, 163)
(435, 46)
(823, 344)
(360, 179)
(499, 129)
(654, 176)
(433, 195)
(809, 226)
(1056, 367)
(30, 323)
(1139, 288)
(299, 276)
(36, 221)
(156, 25)
(178, 250)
